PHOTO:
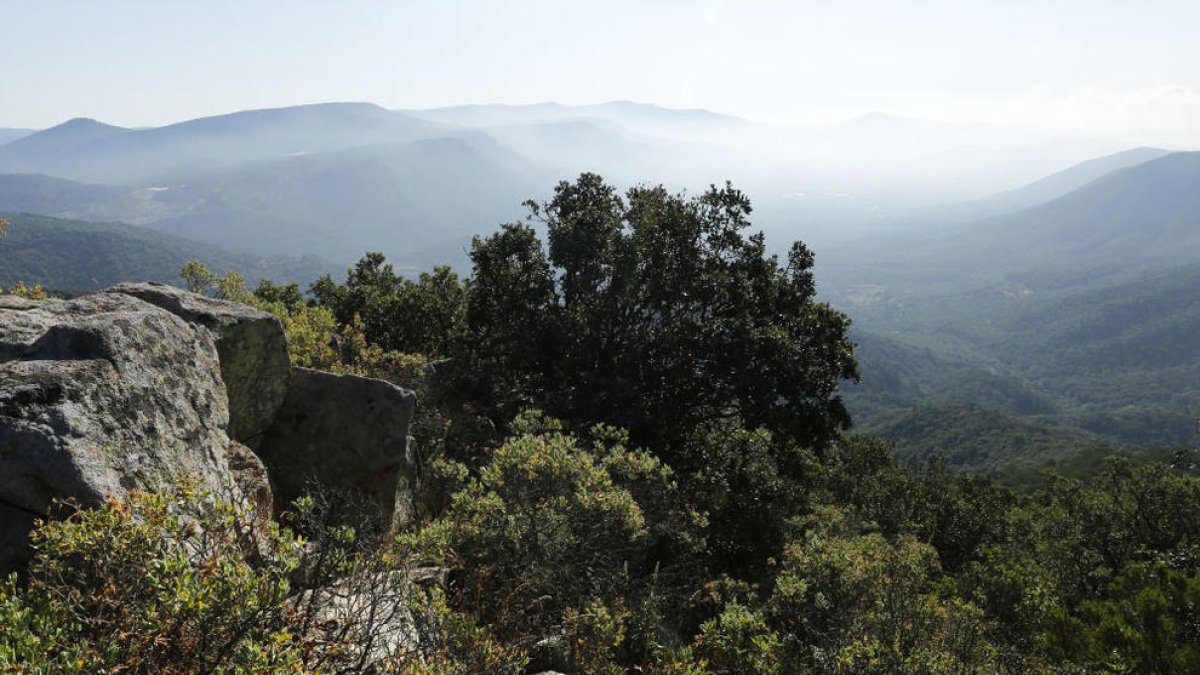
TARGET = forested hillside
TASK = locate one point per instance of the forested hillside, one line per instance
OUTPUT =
(1069, 321)
(74, 256)
(1113, 366)
(600, 338)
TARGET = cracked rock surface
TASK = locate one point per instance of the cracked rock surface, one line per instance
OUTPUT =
(129, 388)
(100, 395)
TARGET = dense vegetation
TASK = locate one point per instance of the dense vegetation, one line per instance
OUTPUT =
(634, 460)
(1110, 367)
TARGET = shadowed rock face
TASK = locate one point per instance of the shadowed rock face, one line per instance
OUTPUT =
(102, 394)
(343, 432)
(250, 344)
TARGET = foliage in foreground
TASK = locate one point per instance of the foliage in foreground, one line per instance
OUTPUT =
(726, 530)
(895, 571)
(180, 582)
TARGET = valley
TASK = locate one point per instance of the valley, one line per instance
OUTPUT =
(1038, 322)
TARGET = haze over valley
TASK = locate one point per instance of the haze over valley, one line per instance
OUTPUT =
(687, 337)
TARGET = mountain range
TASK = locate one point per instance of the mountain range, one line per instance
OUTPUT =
(423, 179)
(1054, 313)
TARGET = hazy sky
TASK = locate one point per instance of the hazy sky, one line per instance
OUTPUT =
(1122, 68)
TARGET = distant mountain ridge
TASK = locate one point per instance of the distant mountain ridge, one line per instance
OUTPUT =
(192, 177)
(60, 140)
(634, 116)
(89, 151)
(8, 135)
(1063, 182)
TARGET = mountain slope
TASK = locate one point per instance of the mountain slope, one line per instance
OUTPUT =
(1148, 215)
(1149, 323)
(1068, 180)
(1085, 306)
(418, 202)
(976, 438)
(1117, 364)
(69, 255)
(399, 199)
(8, 135)
(35, 193)
(55, 144)
(897, 374)
(1129, 223)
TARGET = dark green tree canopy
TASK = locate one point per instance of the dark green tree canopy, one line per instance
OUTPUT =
(655, 312)
(396, 313)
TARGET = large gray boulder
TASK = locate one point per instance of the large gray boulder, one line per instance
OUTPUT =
(252, 349)
(344, 433)
(100, 395)
(131, 387)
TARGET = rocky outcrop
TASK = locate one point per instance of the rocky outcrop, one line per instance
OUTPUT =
(343, 432)
(102, 394)
(130, 387)
(252, 350)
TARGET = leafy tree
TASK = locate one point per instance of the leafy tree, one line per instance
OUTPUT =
(182, 582)
(739, 640)
(1147, 623)
(197, 278)
(288, 295)
(397, 314)
(750, 485)
(655, 313)
(138, 585)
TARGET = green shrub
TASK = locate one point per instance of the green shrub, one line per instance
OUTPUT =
(739, 640)
(550, 525)
(166, 582)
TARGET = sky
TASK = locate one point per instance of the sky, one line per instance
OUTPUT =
(1110, 68)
